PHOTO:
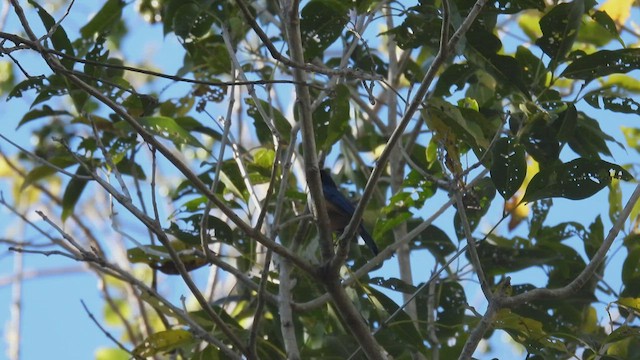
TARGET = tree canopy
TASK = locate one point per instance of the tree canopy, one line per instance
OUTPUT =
(455, 127)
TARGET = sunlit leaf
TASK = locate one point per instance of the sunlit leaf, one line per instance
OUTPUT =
(526, 331)
(112, 354)
(163, 341)
(618, 10)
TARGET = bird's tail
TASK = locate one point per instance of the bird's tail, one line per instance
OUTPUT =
(368, 240)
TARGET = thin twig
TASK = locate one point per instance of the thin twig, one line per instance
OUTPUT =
(438, 61)
(257, 316)
(45, 162)
(108, 334)
(587, 272)
(473, 253)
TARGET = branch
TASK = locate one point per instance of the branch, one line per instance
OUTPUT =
(389, 251)
(353, 320)
(108, 334)
(296, 62)
(255, 326)
(23, 43)
(287, 327)
(589, 270)
(310, 149)
(438, 61)
(473, 253)
(180, 166)
(154, 226)
(478, 332)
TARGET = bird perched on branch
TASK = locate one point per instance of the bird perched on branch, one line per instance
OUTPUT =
(340, 210)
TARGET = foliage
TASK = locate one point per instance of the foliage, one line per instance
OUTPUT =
(217, 160)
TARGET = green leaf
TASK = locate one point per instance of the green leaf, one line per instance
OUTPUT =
(457, 75)
(163, 342)
(393, 284)
(476, 201)
(276, 118)
(575, 180)
(104, 19)
(588, 139)
(624, 331)
(559, 29)
(112, 354)
(321, 23)
(594, 238)
(115, 311)
(40, 172)
(526, 331)
(165, 127)
(398, 335)
(157, 257)
(508, 257)
(59, 38)
(190, 232)
(264, 158)
(72, 193)
(603, 63)
(452, 303)
(331, 118)
(34, 83)
(55, 86)
(509, 167)
(632, 303)
(615, 201)
(512, 7)
(632, 137)
(421, 28)
(606, 22)
(483, 52)
(204, 57)
(540, 210)
(566, 123)
(127, 167)
(539, 139)
(435, 240)
(191, 20)
(34, 114)
(534, 71)
(609, 99)
(622, 82)
(592, 32)
(445, 117)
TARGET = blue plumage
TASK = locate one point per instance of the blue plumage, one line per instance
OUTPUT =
(340, 210)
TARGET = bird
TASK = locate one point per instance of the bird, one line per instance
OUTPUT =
(340, 210)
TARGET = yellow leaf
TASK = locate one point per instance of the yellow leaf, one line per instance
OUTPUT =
(618, 10)
(630, 303)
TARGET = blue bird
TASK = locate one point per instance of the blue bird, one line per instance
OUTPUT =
(340, 210)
